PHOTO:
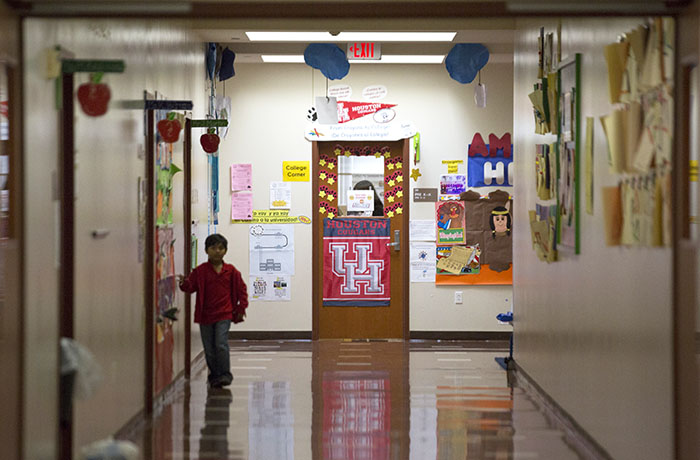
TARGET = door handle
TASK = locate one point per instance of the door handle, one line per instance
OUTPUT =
(397, 241)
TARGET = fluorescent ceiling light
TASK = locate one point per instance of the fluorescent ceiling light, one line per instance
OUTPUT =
(351, 36)
(386, 59)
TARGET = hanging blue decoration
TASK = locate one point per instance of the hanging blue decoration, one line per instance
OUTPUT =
(211, 60)
(465, 60)
(226, 71)
(328, 58)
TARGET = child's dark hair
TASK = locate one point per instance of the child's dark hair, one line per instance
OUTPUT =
(214, 239)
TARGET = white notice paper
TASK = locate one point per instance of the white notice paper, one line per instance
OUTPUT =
(422, 262)
(271, 249)
(270, 288)
(422, 230)
(280, 195)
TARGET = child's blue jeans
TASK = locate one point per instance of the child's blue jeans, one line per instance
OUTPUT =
(216, 351)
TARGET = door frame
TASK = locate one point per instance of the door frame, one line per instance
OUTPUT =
(317, 280)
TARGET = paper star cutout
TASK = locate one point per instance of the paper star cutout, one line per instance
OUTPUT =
(322, 176)
(387, 154)
(331, 181)
(399, 165)
(399, 193)
(322, 210)
(331, 215)
(390, 214)
(331, 166)
(399, 210)
(348, 153)
(391, 183)
(329, 197)
(390, 199)
(415, 174)
(322, 162)
(390, 166)
(322, 194)
(377, 154)
(399, 178)
(337, 151)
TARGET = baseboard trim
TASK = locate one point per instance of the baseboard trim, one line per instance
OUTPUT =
(574, 434)
(461, 335)
(269, 335)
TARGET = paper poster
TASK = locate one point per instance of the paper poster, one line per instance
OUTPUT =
(271, 249)
(452, 165)
(458, 260)
(241, 177)
(361, 200)
(421, 230)
(356, 262)
(269, 288)
(449, 217)
(452, 185)
(280, 195)
(422, 256)
(267, 216)
(165, 170)
(242, 205)
(490, 164)
(296, 171)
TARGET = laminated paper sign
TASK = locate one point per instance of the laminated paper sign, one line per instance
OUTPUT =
(356, 262)
(449, 216)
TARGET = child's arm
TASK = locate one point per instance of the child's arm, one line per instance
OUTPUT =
(188, 284)
(241, 296)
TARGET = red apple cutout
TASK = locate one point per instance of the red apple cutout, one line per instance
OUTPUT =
(210, 142)
(94, 96)
(169, 128)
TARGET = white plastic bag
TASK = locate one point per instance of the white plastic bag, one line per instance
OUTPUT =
(77, 359)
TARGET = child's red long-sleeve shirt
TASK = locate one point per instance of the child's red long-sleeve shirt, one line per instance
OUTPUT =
(219, 295)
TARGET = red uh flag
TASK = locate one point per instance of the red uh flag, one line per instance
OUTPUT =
(351, 110)
(356, 262)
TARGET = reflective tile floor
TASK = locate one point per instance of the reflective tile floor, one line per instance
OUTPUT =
(337, 400)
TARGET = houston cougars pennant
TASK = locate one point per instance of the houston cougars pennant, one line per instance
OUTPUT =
(356, 262)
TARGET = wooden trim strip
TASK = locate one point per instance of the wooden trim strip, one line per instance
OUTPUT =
(317, 222)
(461, 335)
(270, 335)
(405, 241)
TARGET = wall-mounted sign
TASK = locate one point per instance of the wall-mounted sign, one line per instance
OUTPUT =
(295, 171)
(424, 195)
(361, 200)
(374, 92)
(364, 50)
(340, 91)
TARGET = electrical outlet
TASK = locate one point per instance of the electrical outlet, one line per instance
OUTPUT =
(458, 297)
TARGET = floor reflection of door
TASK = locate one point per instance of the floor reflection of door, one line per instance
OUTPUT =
(363, 321)
(360, 400)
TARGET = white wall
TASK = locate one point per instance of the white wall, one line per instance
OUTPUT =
(109, 310)
(593, 330)
(270, 103)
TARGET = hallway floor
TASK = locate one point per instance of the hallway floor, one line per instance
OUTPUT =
(339, 400)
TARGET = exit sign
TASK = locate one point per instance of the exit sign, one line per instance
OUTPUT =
(364, 50)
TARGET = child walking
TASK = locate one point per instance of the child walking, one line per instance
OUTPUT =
(222, 297)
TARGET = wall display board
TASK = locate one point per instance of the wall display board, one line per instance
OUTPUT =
(569, 145)
(486, 255)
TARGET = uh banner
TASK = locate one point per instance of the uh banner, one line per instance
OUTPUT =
(356, 262)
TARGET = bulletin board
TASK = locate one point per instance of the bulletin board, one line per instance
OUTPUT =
(569, 155)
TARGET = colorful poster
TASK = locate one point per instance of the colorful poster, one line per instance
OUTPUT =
(449, 217)
(241, 177)
(490, 164)
(270, 288)
(451, 185)
(356, 262)
(165, 170)
(166, 288)
(242, 206)
(457, 260)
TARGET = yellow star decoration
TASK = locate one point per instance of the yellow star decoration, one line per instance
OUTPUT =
(399, 193)
(387, 154)
(331, 181)
(390, 214)
(331, 166)
(399, 165)
(399, 178)
(337, 151)
(390, 166)
(331, 215)
(391, 183)
(377, 154)
(415, 174)
(322, 176)
(390, 199)
(348, 153)
(322, 162)
(329, 197)
(399, 210)
(322, 210)
(322, 194)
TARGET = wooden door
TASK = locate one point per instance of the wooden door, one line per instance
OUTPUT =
(362, 322)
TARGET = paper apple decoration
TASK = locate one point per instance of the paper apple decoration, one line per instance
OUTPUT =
(94, 96)
(169, 128)
(209, 141)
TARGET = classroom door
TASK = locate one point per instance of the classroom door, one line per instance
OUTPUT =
(339, 167)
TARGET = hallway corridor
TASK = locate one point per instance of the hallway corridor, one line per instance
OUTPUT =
(336, 400)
